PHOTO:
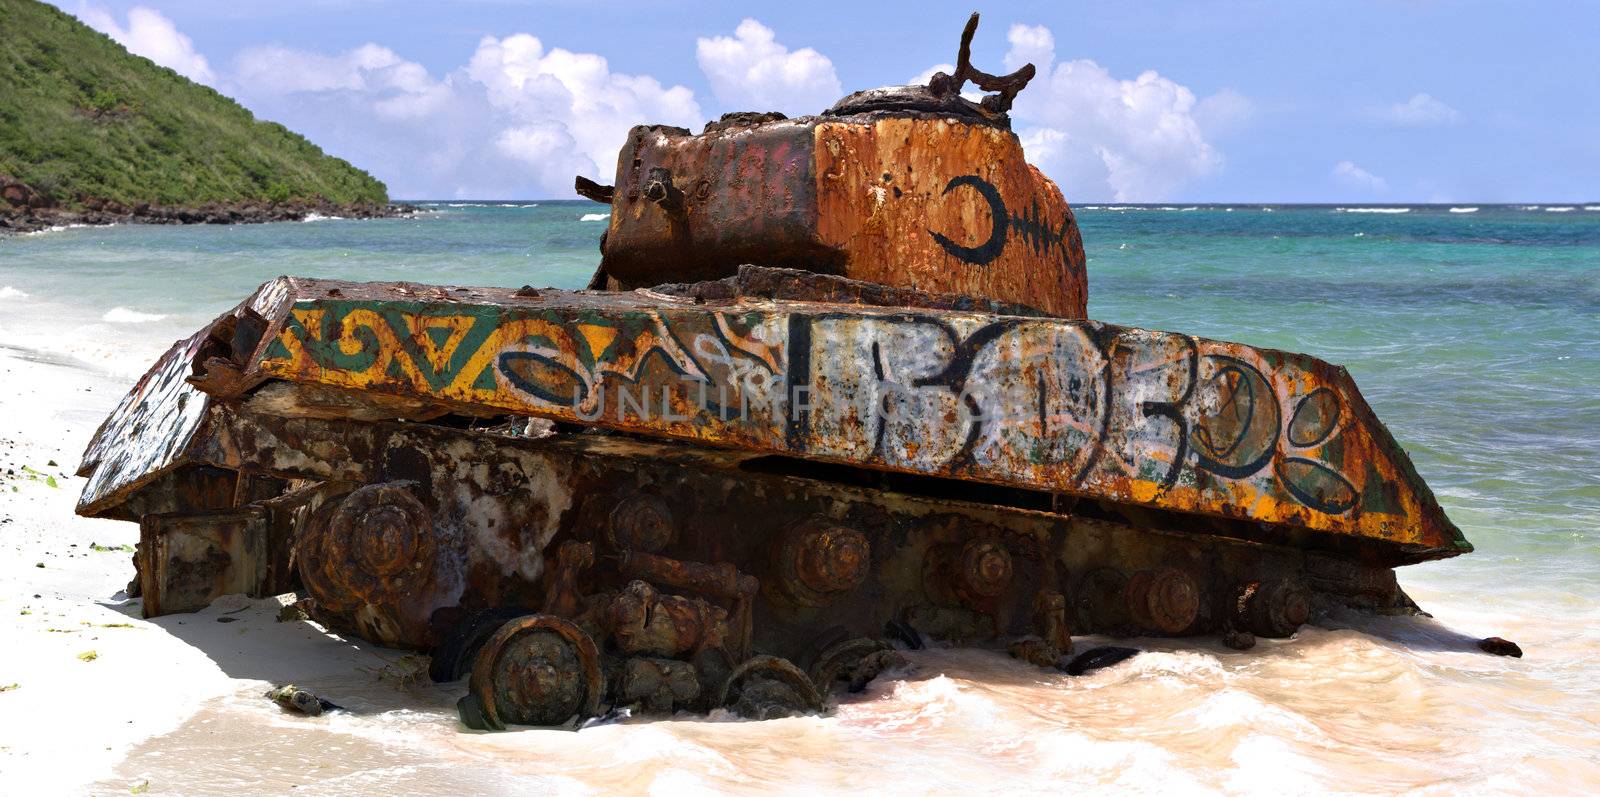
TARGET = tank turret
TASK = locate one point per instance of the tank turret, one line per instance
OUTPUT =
(908, 186)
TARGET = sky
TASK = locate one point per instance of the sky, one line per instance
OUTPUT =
(1371, 101)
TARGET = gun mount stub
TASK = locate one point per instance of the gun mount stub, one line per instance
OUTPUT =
(1006, 87)
(942, 94)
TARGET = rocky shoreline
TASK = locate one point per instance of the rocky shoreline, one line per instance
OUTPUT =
(22, 211)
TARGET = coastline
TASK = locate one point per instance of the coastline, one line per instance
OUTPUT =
(24, 218)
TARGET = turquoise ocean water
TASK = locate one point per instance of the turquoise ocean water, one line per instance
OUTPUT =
(1474, 334)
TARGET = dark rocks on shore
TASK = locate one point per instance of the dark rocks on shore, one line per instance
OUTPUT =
(1500, 647)
(23, 209)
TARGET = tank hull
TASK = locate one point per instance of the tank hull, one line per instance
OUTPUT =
(1261, 444)
(955, 473)
(498, 505)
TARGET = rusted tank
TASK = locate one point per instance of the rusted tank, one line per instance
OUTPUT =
(707, 482)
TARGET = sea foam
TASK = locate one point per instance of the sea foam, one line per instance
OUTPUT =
(8, 292)
(595, 217)
(57, 228)
(122, 315)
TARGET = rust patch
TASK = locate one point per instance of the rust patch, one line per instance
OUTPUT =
(948, 208)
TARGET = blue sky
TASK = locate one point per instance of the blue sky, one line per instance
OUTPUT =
(1138, 102)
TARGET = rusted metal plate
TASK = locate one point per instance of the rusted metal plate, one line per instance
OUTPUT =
(904, 198)
(505, 511)
(743, 194)
(1157, 419)
(183, 487)
(795, 285)
(148, 433)
(187, 560)
(950, 208)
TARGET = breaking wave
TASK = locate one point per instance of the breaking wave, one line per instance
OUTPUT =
(1372, 210)
(58, 228)
(1463, 210)
(122, 315)
(1560, 209)
(8, 292)
(595, 217)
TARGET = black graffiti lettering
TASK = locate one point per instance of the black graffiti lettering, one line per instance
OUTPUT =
(1029, 226)
(984, 253)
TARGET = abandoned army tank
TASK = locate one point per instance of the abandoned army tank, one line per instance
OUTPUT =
(708, 483)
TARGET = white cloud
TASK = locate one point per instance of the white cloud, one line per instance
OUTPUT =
(1030, 44)
(1421, 110)
(577, 91)
(517, 120)
(1352, 176)
(751, 71)
(396, 88)
(1224, 112)
(1100, 136)
(922, 78)
(152, 35)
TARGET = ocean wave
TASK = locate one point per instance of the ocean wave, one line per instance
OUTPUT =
(1561, 209)
(57, 228)
(122, 315)
(595, 217)
(1591, 207)
(320, 217)
(9, 292)
(1372, 210)
(1528, 207)
(532, 205)
(1463, 210)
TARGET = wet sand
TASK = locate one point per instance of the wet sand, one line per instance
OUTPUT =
(175, 706)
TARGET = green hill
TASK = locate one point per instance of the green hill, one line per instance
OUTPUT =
(81, 118)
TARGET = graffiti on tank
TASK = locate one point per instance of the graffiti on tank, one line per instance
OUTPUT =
(1071, 405)
(1030, 226)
